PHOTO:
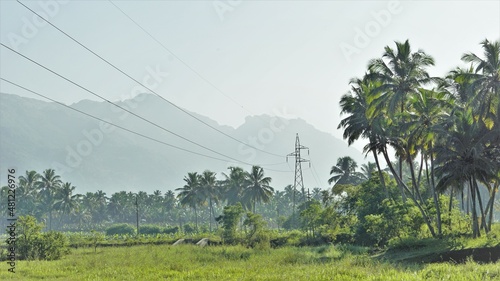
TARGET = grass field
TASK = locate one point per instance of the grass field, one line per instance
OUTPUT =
(188, 262)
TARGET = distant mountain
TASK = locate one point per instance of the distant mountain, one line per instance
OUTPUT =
(36, 135)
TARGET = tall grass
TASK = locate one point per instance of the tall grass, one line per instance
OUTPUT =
(189, 262)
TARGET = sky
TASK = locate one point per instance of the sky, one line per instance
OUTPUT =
(230, 59)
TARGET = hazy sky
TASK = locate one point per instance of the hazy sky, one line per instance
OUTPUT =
(230, 59)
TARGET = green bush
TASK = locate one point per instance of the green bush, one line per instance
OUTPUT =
(171, 230)
(32, 244)
(189, 228)
(51, 245)
(121, 229)
(150, 229)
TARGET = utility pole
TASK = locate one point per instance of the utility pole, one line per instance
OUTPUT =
(137, 212)
(299, 180)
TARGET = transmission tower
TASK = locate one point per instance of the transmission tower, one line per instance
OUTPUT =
(299, 180)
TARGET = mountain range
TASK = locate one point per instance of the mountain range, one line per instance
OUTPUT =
(94, 155)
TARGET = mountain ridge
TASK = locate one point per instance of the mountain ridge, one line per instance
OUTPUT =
(37, 135)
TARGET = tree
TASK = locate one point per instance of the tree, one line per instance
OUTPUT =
(401, 72)
(461, 159)
(190, 194)
(363, 120)
(49, 184)
(368, 169)
(27, 192)
(208, 185)
(230, 218)
(65, 201)
(234, 184)
(484, 91)
(344, 172)
(257, 187)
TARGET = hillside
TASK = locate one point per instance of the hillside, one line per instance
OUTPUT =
(36, 135)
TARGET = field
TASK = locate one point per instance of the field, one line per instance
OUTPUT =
(189, 262)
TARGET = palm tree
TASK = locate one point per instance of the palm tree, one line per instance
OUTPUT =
(234, 185)
(485, 90)
(49, 185)
(27, 192)
(427, 114)
(461, 159)
(190, 193)
(401, 72)
(368, 169)
(65, 201)
(362, 119)
(344, 172)
(208, 185)
(169, 203)
(257, 187)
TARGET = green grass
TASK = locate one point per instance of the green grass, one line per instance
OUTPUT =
(189, 262)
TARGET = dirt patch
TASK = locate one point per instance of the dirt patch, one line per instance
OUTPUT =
(482, 255)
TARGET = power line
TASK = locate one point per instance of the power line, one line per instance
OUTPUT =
(122, 108)
(188, 66)
(135, 80)
(112, 124)
(129, 130)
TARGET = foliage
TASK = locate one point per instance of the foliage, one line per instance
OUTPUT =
(150, 229)
(230, 218)
(258, 237)
(32, 244)
(189, 262)
(120, 229)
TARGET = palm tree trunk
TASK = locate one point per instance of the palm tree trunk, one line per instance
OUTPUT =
(401, 183)
(210, 213)
(380, 175)
(400, 164)
(196, 217)
(492, 203)
(435, 196)
(450, 207)
(483, 217)
(475, 223)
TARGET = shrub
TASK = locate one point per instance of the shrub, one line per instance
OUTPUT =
(189, 228)
(149, 229)
(32, 244)
(121, 229)
(171, 230)
(51, 245)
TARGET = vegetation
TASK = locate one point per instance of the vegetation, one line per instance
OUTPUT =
(441, 191)
(189, 262)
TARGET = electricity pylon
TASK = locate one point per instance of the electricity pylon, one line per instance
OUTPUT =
(299, 180)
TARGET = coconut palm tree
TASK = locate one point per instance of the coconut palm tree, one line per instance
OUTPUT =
(190, 194)
(209, 191)
(428, 113)
(27, 192)
(257, 187)
(401, 72)
(234, 184)
(362, 118)
(49, 184)
(368, 169)
(344, 172)
(461, 158)
(65, 201)
(485, 90)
